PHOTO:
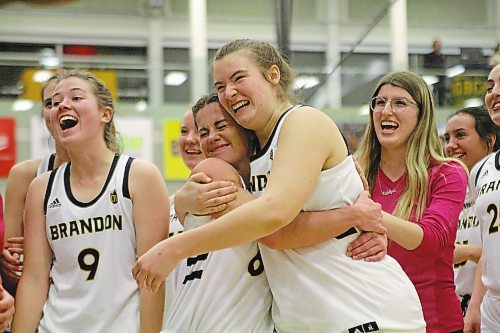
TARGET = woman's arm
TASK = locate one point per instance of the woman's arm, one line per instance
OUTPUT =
(310, 228)
(202, 196)
(150, 204)
(437, 227)
(18, 182)
(34, 284)
(472, 318)
(295, 170)
(466, 253)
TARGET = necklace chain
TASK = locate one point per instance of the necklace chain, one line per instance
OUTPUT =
(391, 190)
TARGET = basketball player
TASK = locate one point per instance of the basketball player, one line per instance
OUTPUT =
(226, 290)
(20, 177)
(470, 136)
(483, 314)
(252, 81)
(87, 221)
(202, 281)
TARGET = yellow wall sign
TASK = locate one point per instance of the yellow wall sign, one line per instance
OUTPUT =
(173, 165)
(33, 79)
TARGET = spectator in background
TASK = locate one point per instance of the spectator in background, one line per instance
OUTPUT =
(436, 60)
(494, 59)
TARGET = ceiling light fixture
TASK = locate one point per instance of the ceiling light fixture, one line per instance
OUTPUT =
(175, 78)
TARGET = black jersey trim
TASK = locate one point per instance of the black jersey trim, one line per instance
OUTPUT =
(67, 184)
(49, 190)
(497, 160)
(261, 152)
(125, 189)
(482, 165)
(52, 160)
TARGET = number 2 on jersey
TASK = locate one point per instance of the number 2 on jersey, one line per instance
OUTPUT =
(493, 211)
(88, 259)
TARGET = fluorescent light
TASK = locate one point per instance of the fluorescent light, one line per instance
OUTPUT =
(41, 76)
(175, 78)
(48, 58)
(430, 79)
(22, 105)
(305, 82)
(141, 106)
(455, 70)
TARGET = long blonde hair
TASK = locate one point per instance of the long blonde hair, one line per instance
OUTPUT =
(424, 146)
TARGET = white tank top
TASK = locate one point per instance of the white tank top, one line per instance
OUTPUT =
(94, 247)
(468, 233)
(485, 180)
(46, 164)
(319, 288)
(225, 291)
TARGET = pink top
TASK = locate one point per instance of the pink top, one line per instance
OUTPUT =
(2, 226)
(430, 265)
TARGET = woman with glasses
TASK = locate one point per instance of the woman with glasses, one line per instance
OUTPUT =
(421, 192)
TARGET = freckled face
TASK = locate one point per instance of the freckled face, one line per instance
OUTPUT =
(75, 115)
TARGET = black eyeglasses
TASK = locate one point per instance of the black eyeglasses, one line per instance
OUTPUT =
(398, 104)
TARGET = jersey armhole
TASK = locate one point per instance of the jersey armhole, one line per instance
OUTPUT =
(49, 190)
(479, 170)
(125, 189)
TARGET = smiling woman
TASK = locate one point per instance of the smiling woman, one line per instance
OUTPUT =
(484, 308)
(470, 136)
(81, 215)
(420, 190)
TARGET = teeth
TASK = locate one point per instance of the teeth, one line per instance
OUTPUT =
(389, 123)
(191, 151)
(63, 118)
(239, 105)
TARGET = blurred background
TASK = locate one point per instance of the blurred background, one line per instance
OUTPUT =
(155, 57)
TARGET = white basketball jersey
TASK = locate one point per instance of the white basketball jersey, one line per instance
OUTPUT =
(468, 233)
(321, 289)
(175, 228)
(94, 247)
(225, 291)
(485, 179)
(46, 164)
